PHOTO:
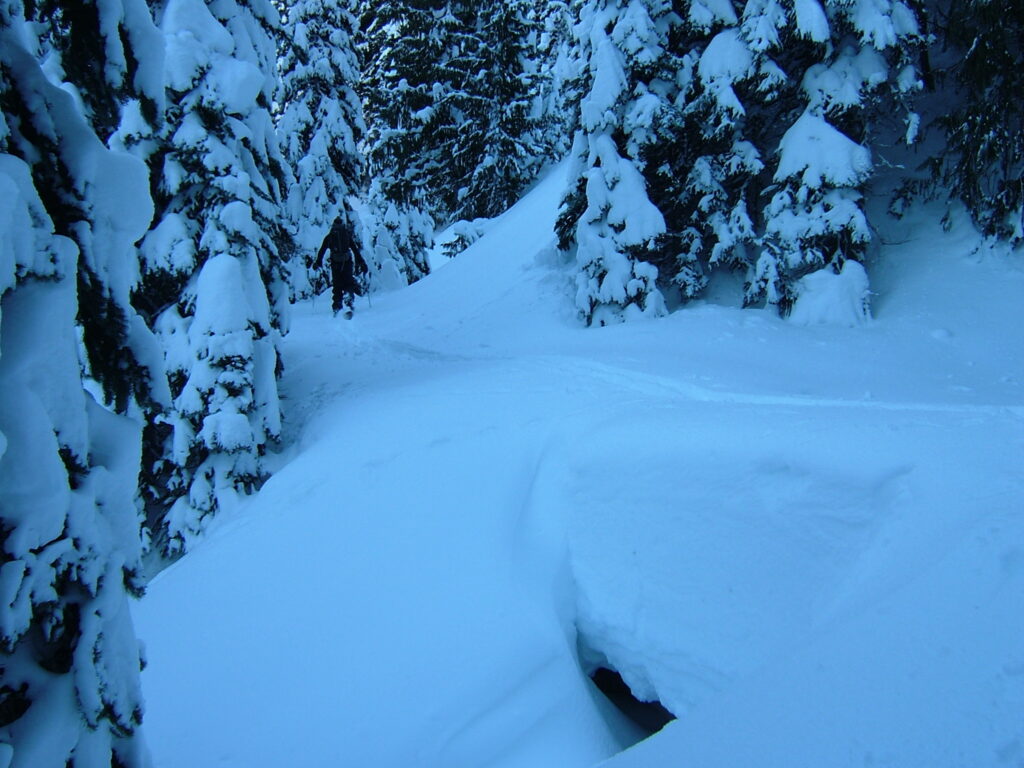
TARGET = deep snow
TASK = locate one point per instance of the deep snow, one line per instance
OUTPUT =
(807, 540)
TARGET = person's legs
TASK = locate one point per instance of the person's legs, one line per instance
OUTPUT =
(337, 285)
(349, 304)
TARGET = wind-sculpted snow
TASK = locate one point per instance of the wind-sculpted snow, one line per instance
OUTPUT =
(804, 540)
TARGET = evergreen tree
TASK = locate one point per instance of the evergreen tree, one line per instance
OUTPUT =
(395, 238)
(846, 62)
(455, 139)
(450, 92)
(503, 145)
(398, 92)
(983, 162)
(555, 67)
(454, 130)
(751, 127)
(113, 54)
(321, 123)
(607, 217)
(70, 529)
(777, 106)
(703, 173)
(214, 263)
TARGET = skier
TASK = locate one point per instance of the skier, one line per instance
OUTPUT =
(346, 263)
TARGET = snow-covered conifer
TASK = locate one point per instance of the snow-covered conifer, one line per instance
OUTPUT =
(983, 163)
(111, 56)
(760, 161)
(450, 90)
(455, 136)
(395, 239)
(797, 85)
(701, 170)
(69, 467)
(112, 52)
(607, 216)
(863, 53)
(216, 255)
(502, 142)
(321, 124)
(398, 89)
(556, 69)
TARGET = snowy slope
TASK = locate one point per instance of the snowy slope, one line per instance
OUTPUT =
(806, 540)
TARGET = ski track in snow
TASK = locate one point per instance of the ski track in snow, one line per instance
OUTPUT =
(722, 505)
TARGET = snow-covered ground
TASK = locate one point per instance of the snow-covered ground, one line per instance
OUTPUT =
(806, 540)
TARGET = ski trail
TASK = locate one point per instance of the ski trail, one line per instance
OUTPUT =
(654, 384)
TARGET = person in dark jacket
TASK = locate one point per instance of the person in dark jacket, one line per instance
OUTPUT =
(346, 262)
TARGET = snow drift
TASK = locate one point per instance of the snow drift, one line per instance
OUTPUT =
(805, 540)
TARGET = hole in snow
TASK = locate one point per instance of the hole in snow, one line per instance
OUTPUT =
(649, 716)
(629, 718)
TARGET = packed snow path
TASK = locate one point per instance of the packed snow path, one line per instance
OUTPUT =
(806, 541)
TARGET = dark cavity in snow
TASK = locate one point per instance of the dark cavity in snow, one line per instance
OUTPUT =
(650, 716)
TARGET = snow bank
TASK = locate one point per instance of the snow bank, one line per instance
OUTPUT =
(824, 297)
(921, 667)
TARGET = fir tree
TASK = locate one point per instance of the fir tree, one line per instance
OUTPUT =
(400, 89)
(396, 237)
(791, 90)
(850, 60)
(505, 149)
(321, 123)
(455, 138)
(983, 162)
(762, 146)
(453, 125)
(555, 66)
(113, 53)
(70, 529)
(398, 92)
(450, 93)
(702, 172)
(214, 262)
(607, 217)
